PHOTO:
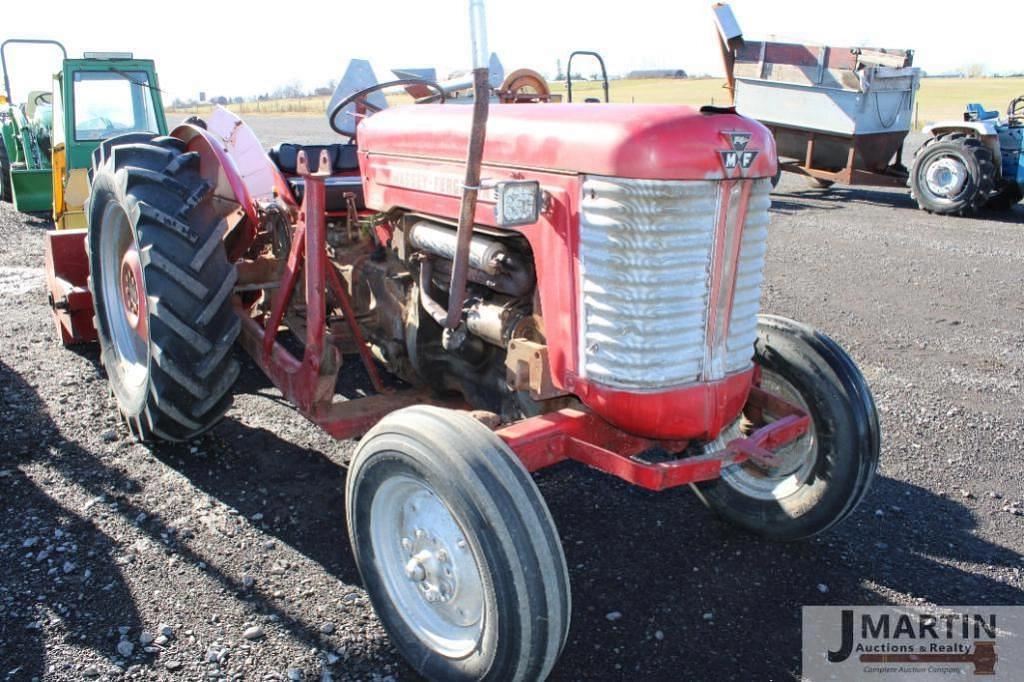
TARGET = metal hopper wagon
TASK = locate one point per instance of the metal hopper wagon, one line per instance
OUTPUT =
(838, 114)
(549, 281)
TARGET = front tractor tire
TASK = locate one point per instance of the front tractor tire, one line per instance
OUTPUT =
(826, 472)
(457, 549)
(161, 285)
(952, 174)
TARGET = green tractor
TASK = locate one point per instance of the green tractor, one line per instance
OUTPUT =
(47, 141)
(46, 148)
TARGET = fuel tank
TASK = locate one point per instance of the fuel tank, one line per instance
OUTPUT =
(641, 141)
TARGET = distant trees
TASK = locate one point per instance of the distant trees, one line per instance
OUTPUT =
(657, 73)
(974, 70)
(291, 90)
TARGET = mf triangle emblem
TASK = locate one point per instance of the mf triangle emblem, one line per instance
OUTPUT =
(738, 156)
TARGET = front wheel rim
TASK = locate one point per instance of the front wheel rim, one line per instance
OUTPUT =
(797, 459)
(429, 569)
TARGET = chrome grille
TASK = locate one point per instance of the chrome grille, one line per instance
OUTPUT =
(646, 251)
(746, 303)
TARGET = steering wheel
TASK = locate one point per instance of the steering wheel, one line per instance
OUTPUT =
(360, 98)
(43, 98)
(1016, 108)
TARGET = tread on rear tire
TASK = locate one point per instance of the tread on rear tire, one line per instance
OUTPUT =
(179, 385)
(975, 158)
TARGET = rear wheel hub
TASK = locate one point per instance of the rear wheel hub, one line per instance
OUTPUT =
(132, 297)
(946, 177)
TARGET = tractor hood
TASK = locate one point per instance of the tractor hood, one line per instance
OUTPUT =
(660, 142)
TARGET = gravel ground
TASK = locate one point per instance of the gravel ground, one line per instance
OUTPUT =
(227, 557)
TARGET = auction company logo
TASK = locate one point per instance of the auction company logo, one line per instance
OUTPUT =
(912, 643)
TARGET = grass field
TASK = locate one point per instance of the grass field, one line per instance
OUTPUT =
(938, 99)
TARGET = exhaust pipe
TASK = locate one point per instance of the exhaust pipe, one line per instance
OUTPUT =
(474, 159)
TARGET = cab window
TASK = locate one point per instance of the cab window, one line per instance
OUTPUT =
(109, 103)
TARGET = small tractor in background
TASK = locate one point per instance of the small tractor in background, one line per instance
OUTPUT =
(547, 282)
(971, 164)
(46, 151)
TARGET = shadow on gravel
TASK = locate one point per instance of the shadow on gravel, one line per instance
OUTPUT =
(661, 588)
(50, 591)
(660, 559)
(696, 594)
(315, 530)
(837, 198)
(299, 491)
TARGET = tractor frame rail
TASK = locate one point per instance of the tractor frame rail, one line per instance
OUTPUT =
(584, 437)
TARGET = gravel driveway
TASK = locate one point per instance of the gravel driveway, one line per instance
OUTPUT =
(228, 558)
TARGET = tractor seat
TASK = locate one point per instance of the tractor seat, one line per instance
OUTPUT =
(335, 189)
(343, 160)
(286, 156)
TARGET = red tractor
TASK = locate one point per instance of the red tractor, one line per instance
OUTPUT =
(582, 284)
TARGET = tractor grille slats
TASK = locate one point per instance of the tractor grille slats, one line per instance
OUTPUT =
(646, 249)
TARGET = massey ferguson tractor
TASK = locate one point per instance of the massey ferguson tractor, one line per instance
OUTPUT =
(547, 281)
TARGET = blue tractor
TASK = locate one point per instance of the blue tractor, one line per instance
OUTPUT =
(971, 164)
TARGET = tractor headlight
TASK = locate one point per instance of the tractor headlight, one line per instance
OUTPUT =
(517, 202)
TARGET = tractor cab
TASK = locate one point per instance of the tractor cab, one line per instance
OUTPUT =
(97, 97)
(46, 152)
(48, 139)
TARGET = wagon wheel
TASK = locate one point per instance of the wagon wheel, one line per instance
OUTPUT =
(524, 85)
(457, 549)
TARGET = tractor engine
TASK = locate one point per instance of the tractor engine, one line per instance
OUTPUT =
(636, 291)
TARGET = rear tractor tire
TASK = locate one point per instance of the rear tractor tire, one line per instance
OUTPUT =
(826, 472)
(952, 175)
(457, 549)
(161, 285)
(5, 174)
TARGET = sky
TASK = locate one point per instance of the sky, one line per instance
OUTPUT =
(245, 48)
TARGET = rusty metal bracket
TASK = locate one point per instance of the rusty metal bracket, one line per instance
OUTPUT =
(529, 369)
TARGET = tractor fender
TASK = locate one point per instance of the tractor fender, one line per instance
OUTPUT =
(233, 161)
(975, 128)
(986, 131)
